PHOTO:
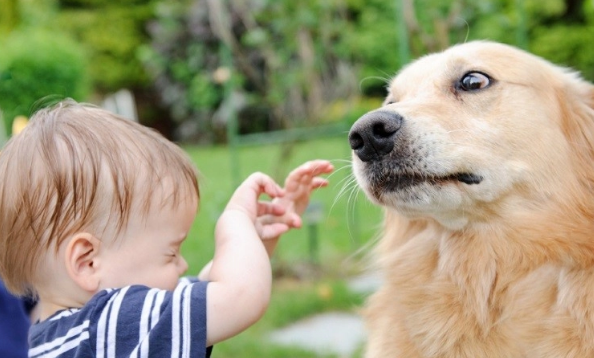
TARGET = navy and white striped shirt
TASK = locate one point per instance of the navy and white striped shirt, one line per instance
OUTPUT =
(134, 321)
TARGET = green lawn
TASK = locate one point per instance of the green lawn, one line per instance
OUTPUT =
(310, 264)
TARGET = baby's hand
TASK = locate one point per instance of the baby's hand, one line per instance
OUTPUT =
(287, 209)
(301, 182)
(246, 197)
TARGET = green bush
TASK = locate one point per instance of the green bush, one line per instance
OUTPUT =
(111, 32)
(567, 45)
(35, 65)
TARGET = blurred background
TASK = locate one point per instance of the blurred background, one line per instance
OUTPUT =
(246, 85)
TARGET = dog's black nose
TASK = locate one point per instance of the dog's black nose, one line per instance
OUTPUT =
(372, 136)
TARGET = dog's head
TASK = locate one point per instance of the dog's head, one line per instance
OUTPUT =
(478, 131)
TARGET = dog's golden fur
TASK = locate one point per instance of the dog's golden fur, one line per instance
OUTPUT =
(488, 246)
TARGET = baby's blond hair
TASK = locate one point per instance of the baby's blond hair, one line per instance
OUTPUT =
(78, 167)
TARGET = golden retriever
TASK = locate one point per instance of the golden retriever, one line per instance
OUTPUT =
(483, 159)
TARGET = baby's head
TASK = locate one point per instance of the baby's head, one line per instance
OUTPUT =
(78, 181)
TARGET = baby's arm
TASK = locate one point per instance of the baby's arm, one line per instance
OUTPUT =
(299, 185)
(240, 274)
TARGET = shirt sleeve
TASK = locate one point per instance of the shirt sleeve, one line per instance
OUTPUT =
(138, 321)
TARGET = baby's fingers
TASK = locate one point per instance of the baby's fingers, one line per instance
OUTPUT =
(266, 185)
(270, 208)
(290, 219)
(321, 167)
(273, 231)
(319, 183)
(245, 197)
(318, 166)
(310, 169)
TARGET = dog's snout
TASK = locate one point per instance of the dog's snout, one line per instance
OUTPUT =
(372, 136)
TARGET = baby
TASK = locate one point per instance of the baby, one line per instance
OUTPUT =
(93, 211)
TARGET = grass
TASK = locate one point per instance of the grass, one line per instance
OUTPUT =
(310, 264)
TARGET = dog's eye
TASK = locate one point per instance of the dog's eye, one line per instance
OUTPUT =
(474, 81)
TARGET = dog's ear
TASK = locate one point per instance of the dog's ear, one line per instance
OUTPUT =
(576, 101)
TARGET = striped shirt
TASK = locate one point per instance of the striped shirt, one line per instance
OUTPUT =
(134, 321)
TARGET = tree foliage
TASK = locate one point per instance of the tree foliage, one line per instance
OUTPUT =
(281, 63)
(111, 32)
(563, 32)
(291, 61)
(35, 64)
(274, 63)
(9, 16)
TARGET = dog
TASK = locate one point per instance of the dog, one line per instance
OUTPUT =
(482, 157)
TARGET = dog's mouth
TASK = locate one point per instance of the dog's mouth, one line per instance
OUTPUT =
(404, 181)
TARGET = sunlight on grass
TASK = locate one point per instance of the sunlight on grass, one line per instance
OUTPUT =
(291, 300)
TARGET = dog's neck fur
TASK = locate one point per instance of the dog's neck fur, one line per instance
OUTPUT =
(483, 259)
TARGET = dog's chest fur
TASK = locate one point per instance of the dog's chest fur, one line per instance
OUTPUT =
(454, 296)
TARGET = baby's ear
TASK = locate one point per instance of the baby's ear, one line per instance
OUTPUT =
(81, 253)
